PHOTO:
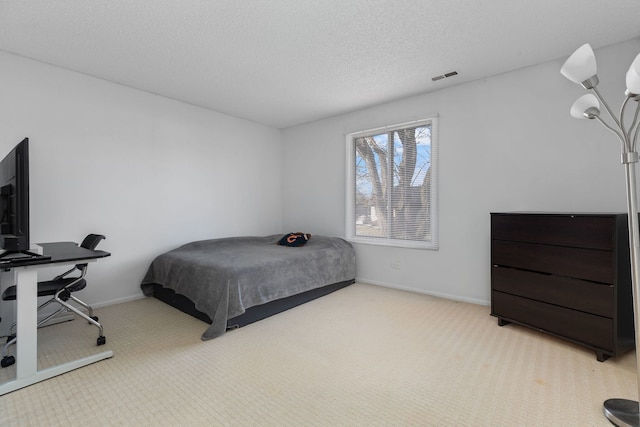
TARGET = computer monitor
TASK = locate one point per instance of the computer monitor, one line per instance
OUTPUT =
(14, 199)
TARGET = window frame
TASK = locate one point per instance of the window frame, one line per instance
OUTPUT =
(350, 222)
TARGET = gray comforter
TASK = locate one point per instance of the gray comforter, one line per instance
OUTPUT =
(224, 277)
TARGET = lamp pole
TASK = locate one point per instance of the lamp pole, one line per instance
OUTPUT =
(581, 68)
(624, 412)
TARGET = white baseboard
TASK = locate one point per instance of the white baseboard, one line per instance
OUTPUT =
(118, 301)
(422, 291)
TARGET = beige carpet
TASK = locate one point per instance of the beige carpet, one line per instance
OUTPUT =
(363, 356)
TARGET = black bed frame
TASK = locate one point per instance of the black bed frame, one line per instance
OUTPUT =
(252, 314)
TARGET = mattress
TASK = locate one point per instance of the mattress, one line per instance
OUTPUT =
(225, 277)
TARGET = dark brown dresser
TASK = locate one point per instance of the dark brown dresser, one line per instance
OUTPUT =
(564, 274)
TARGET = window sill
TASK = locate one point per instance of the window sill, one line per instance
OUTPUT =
(407, 244)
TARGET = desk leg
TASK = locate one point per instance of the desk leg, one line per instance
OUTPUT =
(27, 322)
(27, 373)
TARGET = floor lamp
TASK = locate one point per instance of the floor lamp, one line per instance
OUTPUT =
(581, 68)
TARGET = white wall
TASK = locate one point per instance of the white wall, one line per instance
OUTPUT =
(506, 143)
(148, 172)
(152, 173)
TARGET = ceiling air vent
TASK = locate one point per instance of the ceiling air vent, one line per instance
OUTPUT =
(444, 76)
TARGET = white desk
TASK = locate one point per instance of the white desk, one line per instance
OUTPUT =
(26, 280)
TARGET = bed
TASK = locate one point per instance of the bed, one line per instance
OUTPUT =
(231, 282)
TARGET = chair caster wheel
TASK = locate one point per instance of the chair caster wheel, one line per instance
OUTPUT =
(94, 318)
(102, 340)
(7, 361)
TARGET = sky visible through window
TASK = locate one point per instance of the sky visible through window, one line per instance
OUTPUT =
(423, 146)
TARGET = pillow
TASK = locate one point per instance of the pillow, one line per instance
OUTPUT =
(294, 239)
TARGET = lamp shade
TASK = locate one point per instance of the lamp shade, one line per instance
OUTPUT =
(581, 65)
(633, 77)
(580, 108)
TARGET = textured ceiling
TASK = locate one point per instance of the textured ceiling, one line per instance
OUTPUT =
(287, 62)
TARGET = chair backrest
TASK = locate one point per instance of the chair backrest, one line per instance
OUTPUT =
(91, 241)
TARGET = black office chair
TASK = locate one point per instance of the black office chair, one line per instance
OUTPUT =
(61, 288)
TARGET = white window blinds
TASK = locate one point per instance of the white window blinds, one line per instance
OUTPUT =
(392, 191)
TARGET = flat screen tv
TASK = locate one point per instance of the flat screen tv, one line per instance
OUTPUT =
(14, 200)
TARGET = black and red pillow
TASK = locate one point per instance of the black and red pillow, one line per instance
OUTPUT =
(294, 239)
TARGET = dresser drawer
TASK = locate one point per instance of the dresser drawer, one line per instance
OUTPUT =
(582, 327)
(558, 290)
(596, 232)
(588, 264)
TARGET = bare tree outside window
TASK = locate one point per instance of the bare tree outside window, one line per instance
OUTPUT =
(392, 181)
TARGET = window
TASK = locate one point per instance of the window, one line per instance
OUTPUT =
(392, 186)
